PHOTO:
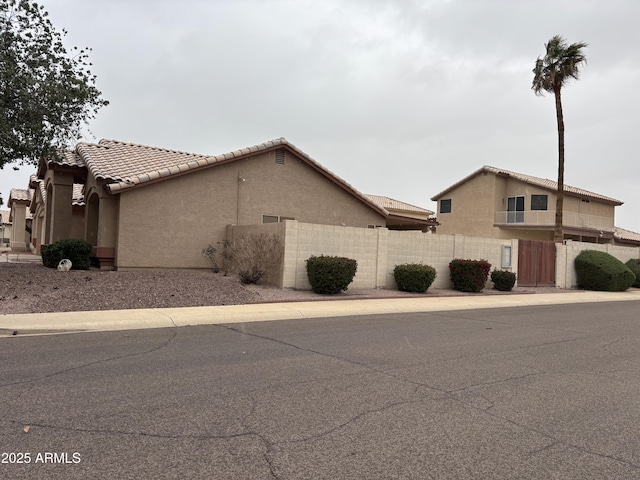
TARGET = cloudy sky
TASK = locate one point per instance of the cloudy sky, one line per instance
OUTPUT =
(399, 98)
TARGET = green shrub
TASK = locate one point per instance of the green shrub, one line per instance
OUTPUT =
(601, 271)
(634, 266)
(469, 275)
(330, 275)
(414, 277)
(503, 280)
(77, 251)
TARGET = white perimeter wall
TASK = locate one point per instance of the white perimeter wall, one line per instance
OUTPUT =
(566, 254)
(377, 251)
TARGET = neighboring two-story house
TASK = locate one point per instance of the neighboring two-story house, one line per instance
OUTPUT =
(498, 203)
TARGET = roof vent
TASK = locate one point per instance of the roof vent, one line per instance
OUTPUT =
(280, 156)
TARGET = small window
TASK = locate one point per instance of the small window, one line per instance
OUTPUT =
(275, 218)
(539, 202)
(506, 256)
(280, 156)
(445, 206)
(585, 200)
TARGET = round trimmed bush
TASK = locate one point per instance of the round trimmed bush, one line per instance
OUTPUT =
(469, 275)
(503, 280)
(601, 271)
(634, 266)
(330, 275)
(77, 251)
(414, 277)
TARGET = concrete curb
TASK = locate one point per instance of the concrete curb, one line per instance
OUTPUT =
(108, 320)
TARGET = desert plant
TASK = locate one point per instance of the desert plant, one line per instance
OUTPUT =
(414, 277)
(601, 271)
(634, 266)
(469, 275)
(75, 250)
(209, 254)
(330, 275)
(226, 256)
(253, 256)
(503, 280)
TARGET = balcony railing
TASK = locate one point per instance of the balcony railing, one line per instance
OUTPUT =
(547, 218)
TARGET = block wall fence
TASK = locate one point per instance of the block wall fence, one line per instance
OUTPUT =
(379, 250)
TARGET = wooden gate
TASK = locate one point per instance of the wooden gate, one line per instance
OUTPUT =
(536, 263)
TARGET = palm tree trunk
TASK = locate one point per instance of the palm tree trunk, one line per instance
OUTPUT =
(558, 235)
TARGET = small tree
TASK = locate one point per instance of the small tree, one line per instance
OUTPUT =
(253, 256)
(46, 94)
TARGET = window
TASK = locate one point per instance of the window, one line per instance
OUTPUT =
(275, 218)
(445, 206)
(515, 210)
(539, 202)
(506, 256)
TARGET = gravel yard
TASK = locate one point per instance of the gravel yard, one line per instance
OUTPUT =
(33, 288)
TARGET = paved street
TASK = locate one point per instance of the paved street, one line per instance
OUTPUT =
(535, 392)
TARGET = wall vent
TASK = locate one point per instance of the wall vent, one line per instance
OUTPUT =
(280, 156)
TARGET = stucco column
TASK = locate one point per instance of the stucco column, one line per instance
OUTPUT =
(105, 248)
(18, 233)
(59, 224)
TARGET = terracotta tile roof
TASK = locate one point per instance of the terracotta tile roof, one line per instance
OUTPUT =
(540, 182)
(391, 204)
(626, 235)
(19, 195)
(36, 183)
(78, 195)
(127, 165)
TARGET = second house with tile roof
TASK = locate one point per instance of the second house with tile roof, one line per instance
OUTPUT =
(497, 203)
(148, 207)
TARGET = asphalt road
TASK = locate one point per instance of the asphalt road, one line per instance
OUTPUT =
(528, 393)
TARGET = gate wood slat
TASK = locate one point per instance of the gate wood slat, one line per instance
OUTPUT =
(536, 263)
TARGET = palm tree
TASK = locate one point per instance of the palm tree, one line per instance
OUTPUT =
(561, 63)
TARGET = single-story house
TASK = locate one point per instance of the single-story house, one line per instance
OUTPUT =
(497, 203)
(148, 207)
(404, 216)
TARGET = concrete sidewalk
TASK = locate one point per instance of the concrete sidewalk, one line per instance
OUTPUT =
(42, 323)
(19, 257)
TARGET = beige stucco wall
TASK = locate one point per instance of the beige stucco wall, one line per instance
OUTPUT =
(472, 207)
(167, 224)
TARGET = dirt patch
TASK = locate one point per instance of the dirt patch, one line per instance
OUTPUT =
(33, 288)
